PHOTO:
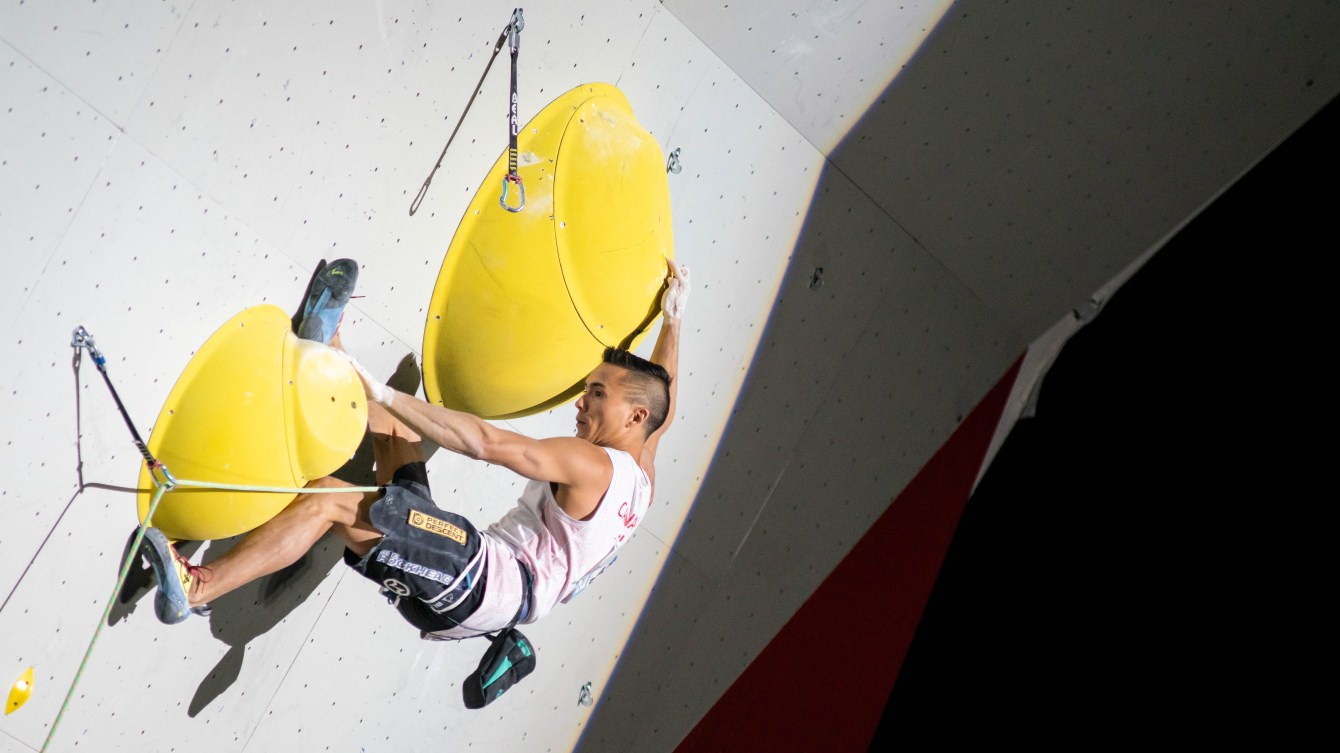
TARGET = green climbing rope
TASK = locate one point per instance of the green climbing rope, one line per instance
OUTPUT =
(133, 551)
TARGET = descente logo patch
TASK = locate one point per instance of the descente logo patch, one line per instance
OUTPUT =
(433, 525)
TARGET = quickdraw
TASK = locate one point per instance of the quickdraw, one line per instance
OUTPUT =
(81, 340)
(163, 479)
(514, 42)
(511, 32)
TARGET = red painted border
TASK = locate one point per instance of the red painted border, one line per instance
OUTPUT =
(823, 681)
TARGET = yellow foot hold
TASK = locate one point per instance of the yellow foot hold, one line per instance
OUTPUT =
(18, 694)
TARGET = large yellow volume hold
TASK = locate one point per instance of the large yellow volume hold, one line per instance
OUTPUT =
(255, 406)
(525, 302)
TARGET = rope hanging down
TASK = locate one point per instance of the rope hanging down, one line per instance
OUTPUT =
(511, 32)
(81, 340)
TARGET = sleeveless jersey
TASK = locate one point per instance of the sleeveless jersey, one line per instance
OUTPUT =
(563, 554)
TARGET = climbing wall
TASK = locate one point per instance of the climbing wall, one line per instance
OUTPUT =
(885, 207)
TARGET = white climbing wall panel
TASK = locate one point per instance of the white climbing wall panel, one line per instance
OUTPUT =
(882, 206)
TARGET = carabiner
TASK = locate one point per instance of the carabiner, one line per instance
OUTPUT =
(80, 339)
(502, 200)
(514, 27)
(672, 165)
(168, 483)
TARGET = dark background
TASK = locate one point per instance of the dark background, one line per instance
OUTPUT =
(1131, 565)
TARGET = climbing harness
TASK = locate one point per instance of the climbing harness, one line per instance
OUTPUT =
(81, 340)
(511, 32)
(514, 43)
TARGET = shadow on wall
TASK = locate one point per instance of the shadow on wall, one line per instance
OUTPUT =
(980, 145)
(842, 334)
(238, 617)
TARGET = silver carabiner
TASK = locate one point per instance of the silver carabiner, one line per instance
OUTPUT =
(502, 200)
(672, 165)
(169, 482)
(80, 339)
(515, 25)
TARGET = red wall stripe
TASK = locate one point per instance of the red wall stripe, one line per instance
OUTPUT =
(823, 681)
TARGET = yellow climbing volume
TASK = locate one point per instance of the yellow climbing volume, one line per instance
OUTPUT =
(255, 406)
(525, 302)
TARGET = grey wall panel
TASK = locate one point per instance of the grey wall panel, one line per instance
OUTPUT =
(819, 63)
(897, 352)
(407, 680)
(107, 52)
(1066, 142)
(641, 708)
(52, 145)
(798, 364)
(44, 638)
(10, 745)
(739, 202)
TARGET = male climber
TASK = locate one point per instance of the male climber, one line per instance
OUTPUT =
(586, 496)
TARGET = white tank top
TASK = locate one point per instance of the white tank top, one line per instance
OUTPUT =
(562, 553)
